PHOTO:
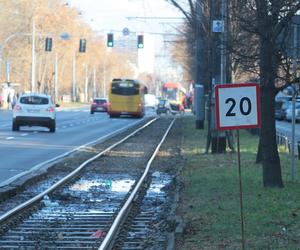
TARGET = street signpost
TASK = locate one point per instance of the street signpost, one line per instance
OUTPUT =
(238, 106)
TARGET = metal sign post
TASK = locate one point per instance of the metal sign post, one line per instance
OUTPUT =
(238, 106)
(241, 189)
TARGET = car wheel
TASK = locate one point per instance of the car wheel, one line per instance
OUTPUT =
(15, 126)
(92, 112)
(52, 126)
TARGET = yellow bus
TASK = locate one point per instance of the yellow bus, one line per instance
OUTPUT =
(126, 97)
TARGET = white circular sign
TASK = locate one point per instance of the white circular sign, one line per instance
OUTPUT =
(65, 36)
(126, 32)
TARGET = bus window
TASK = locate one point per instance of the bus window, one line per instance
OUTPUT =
(126, 97)
(125, 88)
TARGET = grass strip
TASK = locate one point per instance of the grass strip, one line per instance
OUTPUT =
(210, 198)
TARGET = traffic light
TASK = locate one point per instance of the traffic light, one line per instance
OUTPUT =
(140, 41)
(48, 44)
(82, 45)
(110, 40)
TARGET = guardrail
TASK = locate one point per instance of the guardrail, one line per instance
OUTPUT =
(283, 140)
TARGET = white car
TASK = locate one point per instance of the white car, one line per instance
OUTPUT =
(34, 110)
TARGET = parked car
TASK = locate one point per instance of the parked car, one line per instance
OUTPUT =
(99, 105)
(280, 110)
(289, 112)
(163, 107)
(34, 110)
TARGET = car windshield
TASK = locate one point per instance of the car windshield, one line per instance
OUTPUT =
(34, 100)
(162, 102)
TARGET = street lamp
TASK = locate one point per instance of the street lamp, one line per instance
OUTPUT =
(7, 39)
(33, 61)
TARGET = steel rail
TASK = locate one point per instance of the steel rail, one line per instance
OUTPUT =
(106, 243)
(40, 196)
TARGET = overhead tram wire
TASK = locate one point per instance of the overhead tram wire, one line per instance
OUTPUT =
(155, 17)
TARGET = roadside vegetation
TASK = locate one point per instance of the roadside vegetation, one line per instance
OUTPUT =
(65, 25)
(210, 204)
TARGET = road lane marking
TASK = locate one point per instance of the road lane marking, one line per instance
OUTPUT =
(54, 159)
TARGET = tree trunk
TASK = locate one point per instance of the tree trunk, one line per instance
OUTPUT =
(269, 152)
(270, 158)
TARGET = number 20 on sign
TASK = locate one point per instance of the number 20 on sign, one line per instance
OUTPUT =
(237, 106)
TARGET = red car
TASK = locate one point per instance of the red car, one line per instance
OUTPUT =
(99, 105)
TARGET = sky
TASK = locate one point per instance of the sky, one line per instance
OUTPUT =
(156, 19)
(111, 15)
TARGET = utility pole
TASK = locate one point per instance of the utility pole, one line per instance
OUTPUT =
(7, 71)
(218, 139)
(223, 41)
(56, 78)
(295, 34)
(200, 71)
(86, 82)
(104, 77)
(33, 58)
(94, 83)
(224, 14)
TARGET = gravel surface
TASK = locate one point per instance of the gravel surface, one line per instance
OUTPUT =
(124, 161)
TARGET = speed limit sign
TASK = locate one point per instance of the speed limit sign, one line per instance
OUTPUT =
(237, 106)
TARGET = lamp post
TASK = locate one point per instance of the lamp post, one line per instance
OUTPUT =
(7, 39)
(94, 83)
(32, 51)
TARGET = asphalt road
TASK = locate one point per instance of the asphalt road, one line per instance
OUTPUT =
(26, 150)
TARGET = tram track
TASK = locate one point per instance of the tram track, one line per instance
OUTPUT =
(77, 211)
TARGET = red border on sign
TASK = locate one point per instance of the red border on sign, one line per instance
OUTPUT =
(234, 85)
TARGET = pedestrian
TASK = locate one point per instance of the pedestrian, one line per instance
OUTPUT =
(8, 100)
(14, 101)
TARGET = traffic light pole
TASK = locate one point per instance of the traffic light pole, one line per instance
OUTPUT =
(74, 78)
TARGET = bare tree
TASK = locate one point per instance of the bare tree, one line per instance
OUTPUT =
(258, 29)
(53, 18)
